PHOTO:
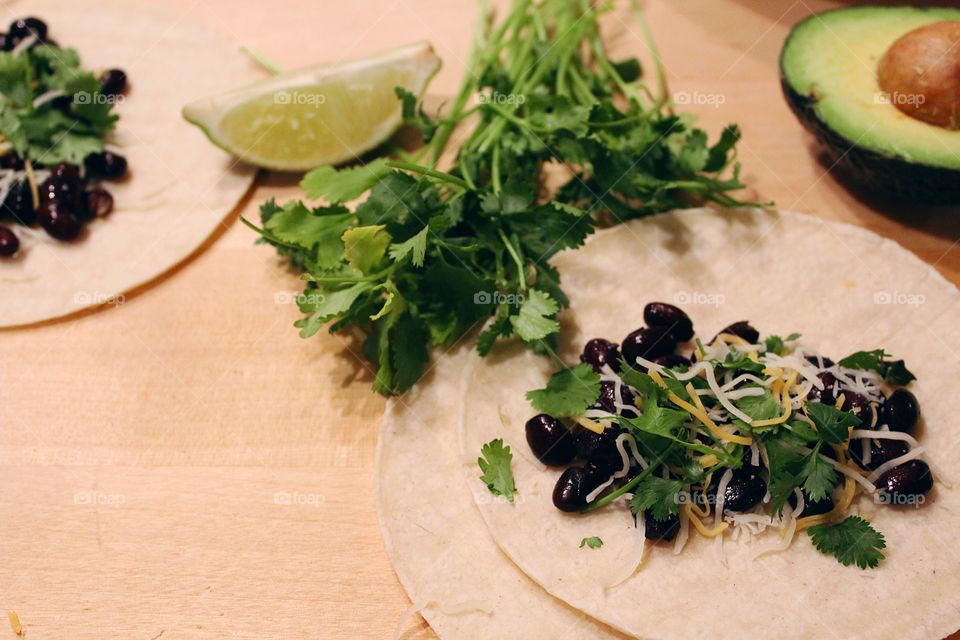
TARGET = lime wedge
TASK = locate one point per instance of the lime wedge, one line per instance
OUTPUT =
(316, 116)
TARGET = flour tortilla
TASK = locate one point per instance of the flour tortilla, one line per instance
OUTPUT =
(180, 187)
(440, 548)
(845, 289)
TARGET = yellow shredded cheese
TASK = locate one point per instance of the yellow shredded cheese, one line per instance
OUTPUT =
(702, 528)
(700, 414)
(587, 423)
(707, 460)
(783, 390)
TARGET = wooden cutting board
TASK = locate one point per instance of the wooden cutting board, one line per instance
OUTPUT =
(182, 465)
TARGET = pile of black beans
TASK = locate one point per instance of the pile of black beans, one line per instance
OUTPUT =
(71, 196)
(593, 457)
(899, 411)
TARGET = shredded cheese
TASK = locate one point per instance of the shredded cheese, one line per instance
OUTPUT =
(701, 415)
(587, 423)
(702, 528)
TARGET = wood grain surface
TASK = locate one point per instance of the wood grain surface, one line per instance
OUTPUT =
(183, 465)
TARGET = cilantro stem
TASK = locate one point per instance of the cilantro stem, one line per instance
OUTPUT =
(271, 67)
(427, 171)
(610, 497)
(516, 259)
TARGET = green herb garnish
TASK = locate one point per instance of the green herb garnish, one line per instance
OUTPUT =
(494, 462)
(593, 542)
(893, 371)
(569, 392)
(34, 121)
(852, 541)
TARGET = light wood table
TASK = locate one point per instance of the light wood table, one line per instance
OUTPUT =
(185, 466)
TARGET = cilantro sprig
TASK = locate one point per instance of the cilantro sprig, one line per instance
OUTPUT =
(852, 541)
(494, 463)
(428, 255)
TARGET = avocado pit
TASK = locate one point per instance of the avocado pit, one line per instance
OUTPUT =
(920, 74)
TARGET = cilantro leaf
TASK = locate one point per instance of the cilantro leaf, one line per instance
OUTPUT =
(494, 462)
(819, 476)
(761, 407)
(365, 247)
(660, 496)
(659, 421)
(593, 542)
(415, 246)
(569, 392)
(329, 305)
(318, 231)
(852, 541)
(535, 320)
(893, 371)
(786, 474)
(343, 185)
(833, 425)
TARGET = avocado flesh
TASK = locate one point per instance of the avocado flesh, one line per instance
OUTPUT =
(829, 76)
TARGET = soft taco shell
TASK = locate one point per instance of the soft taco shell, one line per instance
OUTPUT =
(844, 289)
(180, 187)
(443, 554)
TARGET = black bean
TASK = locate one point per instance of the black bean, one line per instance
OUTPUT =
(11, 161)
(598, 352)
(59, 220)
(906, 483)
(98, 203)
(63, 186)
(901, 411)
(859, 406)
(24, 27)
(62, 103)
(648, 343)
(825, 395)
(819, 361)
(881, 450)
(19, 204)
(812, 507)
(113, 82)
(573, 486)
(674, 319)
(745, 489)
(608, 398)
(600, 449)
(106, 164)
(550, 441)
(9, 242)
(657, 530)
(741, 329)
(6, 43)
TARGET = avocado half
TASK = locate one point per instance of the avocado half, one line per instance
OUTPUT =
(828, 71)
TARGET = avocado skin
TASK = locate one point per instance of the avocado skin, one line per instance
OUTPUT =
(908, 181)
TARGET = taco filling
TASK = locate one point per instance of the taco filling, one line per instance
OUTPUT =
(735, 436)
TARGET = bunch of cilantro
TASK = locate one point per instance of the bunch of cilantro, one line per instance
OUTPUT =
(41, 128)
(429, 254)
